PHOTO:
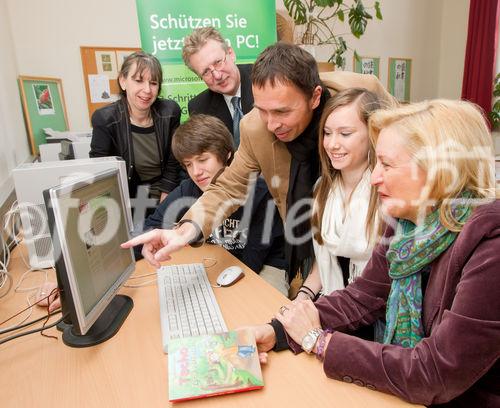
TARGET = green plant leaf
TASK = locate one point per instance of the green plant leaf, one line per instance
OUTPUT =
(378, 13)
(340, 15)
(356, 56)
(296, 10)
(358, 18)
(325, 3)
(495, 119)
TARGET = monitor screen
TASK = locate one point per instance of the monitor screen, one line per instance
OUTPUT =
(88, 221)
(32, 179)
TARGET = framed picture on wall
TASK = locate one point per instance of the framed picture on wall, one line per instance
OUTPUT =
(43, 106)
(366, 65)
(399, 78)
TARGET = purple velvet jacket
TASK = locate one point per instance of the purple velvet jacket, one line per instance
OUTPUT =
(457, 361)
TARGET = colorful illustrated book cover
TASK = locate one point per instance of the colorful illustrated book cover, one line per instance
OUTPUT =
(214, 364)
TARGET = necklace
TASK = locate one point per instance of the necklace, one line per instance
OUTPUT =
(147, 122)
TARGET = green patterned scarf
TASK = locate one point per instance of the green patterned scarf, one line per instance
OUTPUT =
(410, 252)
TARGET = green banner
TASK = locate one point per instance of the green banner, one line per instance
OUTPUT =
(248, 26)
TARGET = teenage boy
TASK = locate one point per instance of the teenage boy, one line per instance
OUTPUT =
(204, 146)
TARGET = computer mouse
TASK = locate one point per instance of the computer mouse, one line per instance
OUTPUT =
(230, 275)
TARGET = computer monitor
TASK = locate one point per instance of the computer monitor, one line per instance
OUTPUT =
(87, 220)
(31, 179)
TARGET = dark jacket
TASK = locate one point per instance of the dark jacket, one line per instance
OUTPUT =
(242, 237)
(212, 103)
(111, 136)
(457, 361)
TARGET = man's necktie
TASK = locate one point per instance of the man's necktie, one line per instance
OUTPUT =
(238, 114)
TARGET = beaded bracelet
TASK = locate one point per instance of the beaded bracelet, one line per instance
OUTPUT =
(321, 344)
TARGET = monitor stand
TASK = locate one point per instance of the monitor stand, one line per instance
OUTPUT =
(105, 327)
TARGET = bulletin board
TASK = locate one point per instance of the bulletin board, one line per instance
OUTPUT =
(399, 78)
(43, 107)
(100, 71)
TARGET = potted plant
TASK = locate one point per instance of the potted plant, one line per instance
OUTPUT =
(318, 17)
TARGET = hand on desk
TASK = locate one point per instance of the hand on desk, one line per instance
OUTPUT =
(159, 243)
(298, 318)
(265, 339)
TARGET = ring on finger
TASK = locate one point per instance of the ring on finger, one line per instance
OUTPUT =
(282, 309)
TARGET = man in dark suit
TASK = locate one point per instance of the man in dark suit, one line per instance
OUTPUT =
(229, 94)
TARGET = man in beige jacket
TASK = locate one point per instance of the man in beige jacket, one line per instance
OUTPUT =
(279, 142)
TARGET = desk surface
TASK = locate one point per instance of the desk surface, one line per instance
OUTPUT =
(130, 369)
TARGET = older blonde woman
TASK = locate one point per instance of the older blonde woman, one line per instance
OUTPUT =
(434, 276)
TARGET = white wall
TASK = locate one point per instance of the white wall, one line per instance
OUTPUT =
(43, 38)
(431, 32)
(13, 140)
(47, 36)
(455, 18)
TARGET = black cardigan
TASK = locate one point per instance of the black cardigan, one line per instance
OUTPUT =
(111, 136)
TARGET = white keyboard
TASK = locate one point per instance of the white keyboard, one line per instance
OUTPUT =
(187, 303)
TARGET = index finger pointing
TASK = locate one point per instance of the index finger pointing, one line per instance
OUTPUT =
(141, 239)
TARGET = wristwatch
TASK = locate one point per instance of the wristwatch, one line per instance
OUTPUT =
(310, 339)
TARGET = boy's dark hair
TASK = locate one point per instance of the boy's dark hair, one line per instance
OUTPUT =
(200, 134)
(286, 63)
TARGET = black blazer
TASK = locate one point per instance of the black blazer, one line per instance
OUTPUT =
(111, 137)
(213, 103)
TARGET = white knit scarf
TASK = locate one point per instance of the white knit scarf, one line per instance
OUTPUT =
(344, 234)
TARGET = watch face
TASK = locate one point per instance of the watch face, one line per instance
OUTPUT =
(310, 339)
(308, 342)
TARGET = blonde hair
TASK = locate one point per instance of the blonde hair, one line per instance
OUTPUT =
(366, 103)
(197, 39)
(451, 142)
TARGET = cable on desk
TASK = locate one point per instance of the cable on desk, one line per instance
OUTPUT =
(149, 282)
(52, 293)
(32, 289)
(40, 329)
(213, 260)
(28, 301)
(143, 275)
(140, 285)
(11, 221)
(25, 274)
(5, 277)
(22, 326)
